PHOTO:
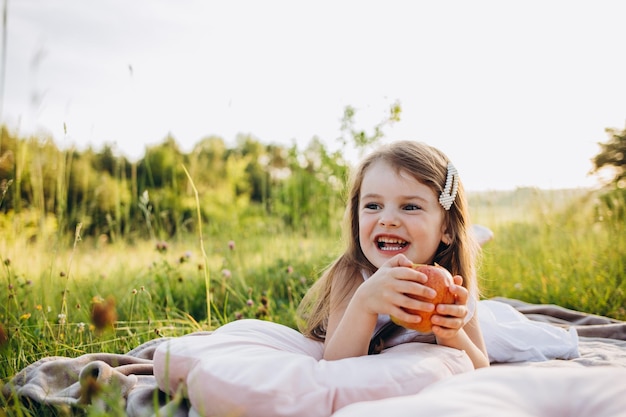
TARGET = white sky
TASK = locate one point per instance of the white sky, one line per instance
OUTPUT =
(517, 93)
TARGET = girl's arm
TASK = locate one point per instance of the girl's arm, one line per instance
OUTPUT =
(450, 330)
(354, 313)
(470, 340)
(349, 329)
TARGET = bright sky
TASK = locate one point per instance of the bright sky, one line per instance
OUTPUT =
(517, 93)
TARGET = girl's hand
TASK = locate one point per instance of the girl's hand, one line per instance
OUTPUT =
(385, 291)
(450, 318)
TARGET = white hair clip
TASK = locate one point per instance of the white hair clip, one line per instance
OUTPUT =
(452, 186)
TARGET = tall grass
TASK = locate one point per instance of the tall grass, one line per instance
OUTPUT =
(565, 247)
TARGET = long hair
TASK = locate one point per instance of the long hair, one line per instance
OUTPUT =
(429, 166)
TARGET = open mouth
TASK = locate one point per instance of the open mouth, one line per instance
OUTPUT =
(391, 244)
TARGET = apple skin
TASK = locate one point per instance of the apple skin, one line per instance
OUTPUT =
(440, 280)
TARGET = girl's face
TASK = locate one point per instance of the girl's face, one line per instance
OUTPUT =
(398, 214)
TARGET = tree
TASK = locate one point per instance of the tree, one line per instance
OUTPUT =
(613, 155)
(361, 140)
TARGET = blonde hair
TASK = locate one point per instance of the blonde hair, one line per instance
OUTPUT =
(429, 166)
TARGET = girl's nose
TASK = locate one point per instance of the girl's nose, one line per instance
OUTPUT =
(388, 218)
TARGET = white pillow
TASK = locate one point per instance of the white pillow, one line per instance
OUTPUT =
(258, 368)
(510, 391)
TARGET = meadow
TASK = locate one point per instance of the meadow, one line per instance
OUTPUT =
(70, 294)
(564, 247)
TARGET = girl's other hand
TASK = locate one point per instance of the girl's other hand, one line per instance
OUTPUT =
(450, 318)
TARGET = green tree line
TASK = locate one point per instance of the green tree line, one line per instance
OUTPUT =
(251, 184)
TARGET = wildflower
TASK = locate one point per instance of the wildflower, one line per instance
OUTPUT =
(77, 306)
(261, 312)
(4, 338)
(184, 257)
(238, 315)
(231, 244)
(226, 273)
(249, 303)
(7, 262)
(264, 301)
(103, 313)
(38, 307)
(62, 274)
(25, 316)
(89, 389)
(61, 318)
(161, 246)
(134, 291)
(81, 327)
(289, 269)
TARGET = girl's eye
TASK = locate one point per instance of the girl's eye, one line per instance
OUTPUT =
(372, 206)
(412, 207)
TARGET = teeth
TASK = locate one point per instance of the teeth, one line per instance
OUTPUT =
(391, 240)
(391, 244)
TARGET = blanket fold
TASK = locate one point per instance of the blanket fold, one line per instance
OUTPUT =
(85, 381)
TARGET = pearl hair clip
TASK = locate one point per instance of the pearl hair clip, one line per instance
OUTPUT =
(452, 186)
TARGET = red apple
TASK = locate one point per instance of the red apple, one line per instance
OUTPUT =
(440, 280)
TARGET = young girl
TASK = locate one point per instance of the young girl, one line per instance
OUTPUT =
(406, 205)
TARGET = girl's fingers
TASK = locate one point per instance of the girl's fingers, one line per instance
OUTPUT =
(458, 280)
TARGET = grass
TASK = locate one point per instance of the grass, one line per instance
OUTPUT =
(83, 296)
